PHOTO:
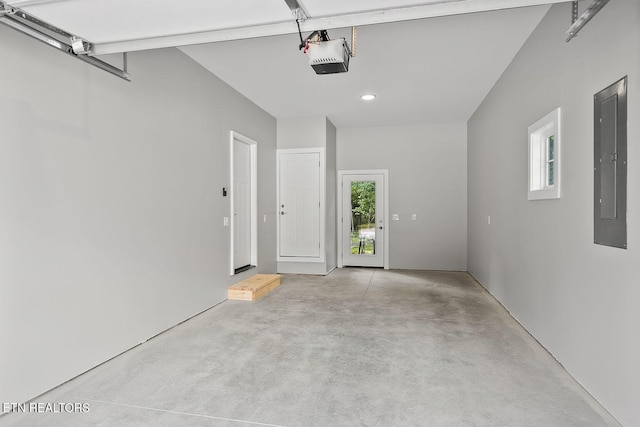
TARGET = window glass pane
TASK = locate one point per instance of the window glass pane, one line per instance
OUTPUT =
(550, 160)
(363, 217)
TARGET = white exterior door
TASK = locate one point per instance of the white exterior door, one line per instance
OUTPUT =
(241, 204)
(299, 204)
(363, 220)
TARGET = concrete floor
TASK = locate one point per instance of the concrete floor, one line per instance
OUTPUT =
(360, 347)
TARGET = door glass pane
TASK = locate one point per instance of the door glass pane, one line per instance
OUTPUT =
(363, 218)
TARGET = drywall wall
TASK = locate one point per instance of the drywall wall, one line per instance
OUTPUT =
(427, 176)
(111, 207)
(302, 132)
(580, 300)
(330, 242)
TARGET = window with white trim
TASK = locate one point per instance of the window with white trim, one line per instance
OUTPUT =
(544, 157)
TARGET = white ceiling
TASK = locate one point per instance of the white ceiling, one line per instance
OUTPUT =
(432, 70)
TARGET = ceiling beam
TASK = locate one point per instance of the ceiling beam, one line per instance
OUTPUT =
(312, 24)
(332, 22)
(27, 3)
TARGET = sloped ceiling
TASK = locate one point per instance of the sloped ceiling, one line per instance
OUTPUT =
(435, 70)
(423, 70)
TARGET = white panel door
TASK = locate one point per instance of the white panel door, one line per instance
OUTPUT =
(363, 220)
(241, 204)
(299, 209)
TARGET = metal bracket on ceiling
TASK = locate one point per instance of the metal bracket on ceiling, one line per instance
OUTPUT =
(300, 14)
(55, 37)
(577, 22)
(298, 10)
(6, 9)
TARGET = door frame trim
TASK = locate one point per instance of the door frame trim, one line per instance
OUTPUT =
(253, 148)
(321, 152)
(385, 203)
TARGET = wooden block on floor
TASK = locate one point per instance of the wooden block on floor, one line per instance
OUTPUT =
(254, 287)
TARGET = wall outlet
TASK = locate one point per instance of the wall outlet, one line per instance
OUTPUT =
(396, 217)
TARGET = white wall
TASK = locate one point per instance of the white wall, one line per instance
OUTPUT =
(111, 205)
(580, 300)
(427, 176)
(330, 242)
(302, 132)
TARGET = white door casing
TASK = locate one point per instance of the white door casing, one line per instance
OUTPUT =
(241, 204)
(244, 202)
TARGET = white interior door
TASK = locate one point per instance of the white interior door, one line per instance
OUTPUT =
(299, 204)
(241, 204)
(363, 221)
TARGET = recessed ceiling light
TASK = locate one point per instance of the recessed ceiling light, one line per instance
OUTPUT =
(368, 97)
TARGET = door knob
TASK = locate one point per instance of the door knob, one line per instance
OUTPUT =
(283, 213)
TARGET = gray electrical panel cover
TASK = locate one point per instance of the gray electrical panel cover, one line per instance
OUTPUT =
(610, 165)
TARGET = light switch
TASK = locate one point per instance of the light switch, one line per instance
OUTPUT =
(264, 218)
(414, 217)
(225, 221)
